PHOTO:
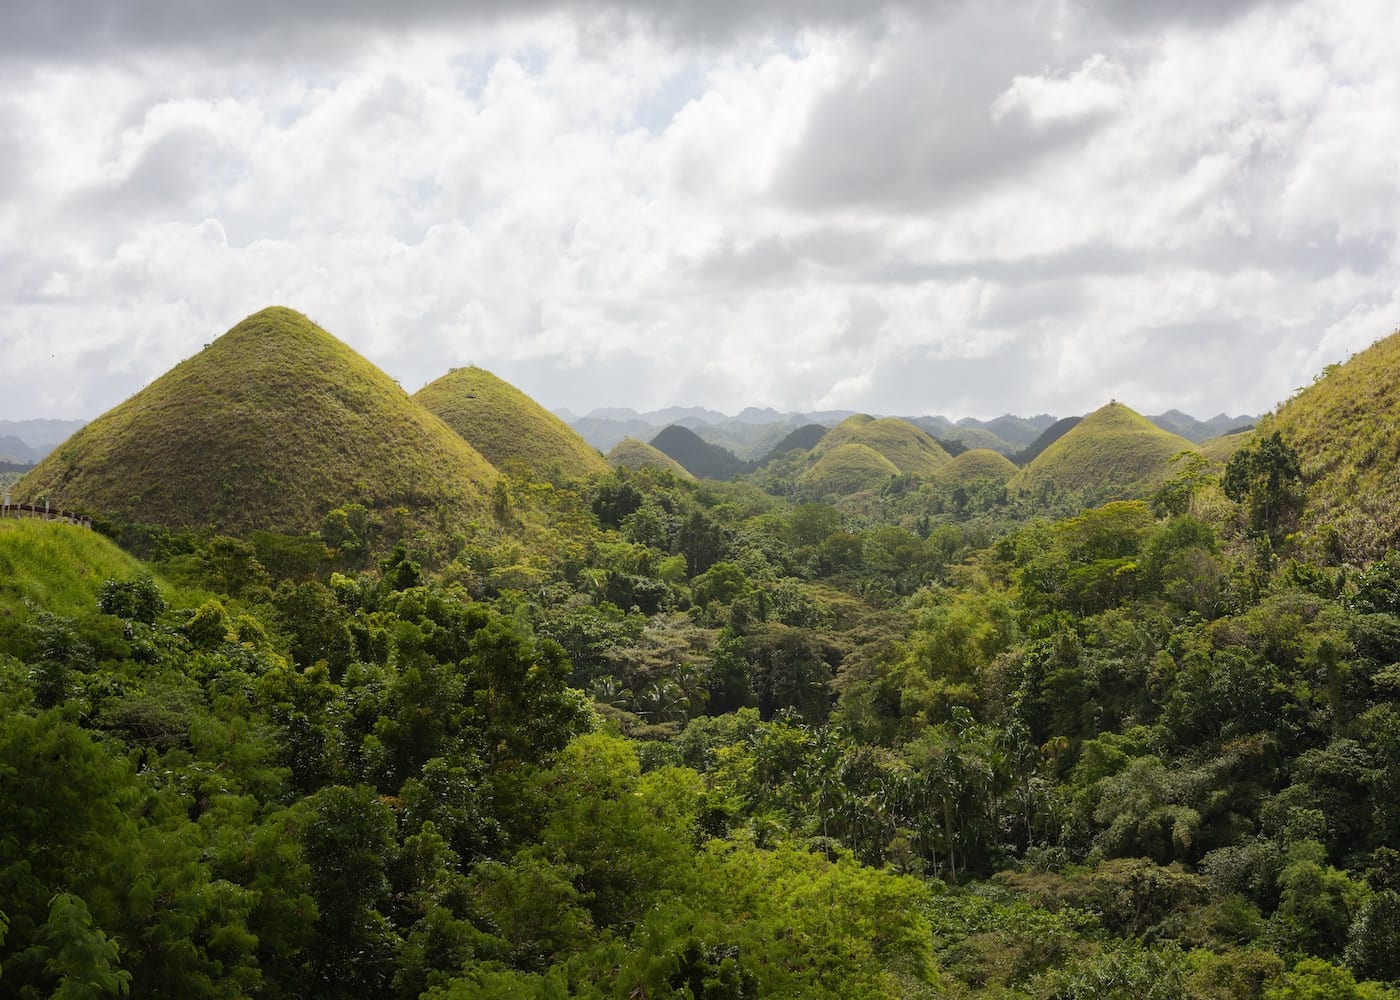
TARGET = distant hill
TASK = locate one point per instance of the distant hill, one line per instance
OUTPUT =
(911, 450)
(269, 426)
(1346, 430)
(978, 465)
(629, 453)
(1047, 437)
(847, 468)
(804, 438)
(972, 438)
(13, 450)
(936, 426)
(697, 456)
(1018, 432)
(40, 434)
(507, 426)
(750, 442)
(1176, 422)
(1113, 453)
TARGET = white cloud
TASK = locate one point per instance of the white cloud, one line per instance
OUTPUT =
(961, 207)
(1099, 86)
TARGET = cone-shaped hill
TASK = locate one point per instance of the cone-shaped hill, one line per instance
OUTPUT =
(507, 426)
(910, 450)
(629, 453)
(268, 427)
(804, 437)
(697, 456)
(1114, 453)
(978, 465)
(1345, 428)
(847, 468)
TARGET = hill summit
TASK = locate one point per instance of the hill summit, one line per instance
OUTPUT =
(1112, 454)
(507, 426)
(629, 453)
(911, 450)
(269, 426)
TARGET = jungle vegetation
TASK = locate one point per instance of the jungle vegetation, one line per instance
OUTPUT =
(631, 734)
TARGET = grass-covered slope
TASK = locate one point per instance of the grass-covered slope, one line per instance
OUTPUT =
(911, 450)
(1113, 453)
(1221, 449)
(846, 469)
(507, 426)
(978, 465)
(629, 453)
(56, 567)
(267, 427)
(1345, 428)
(1047, 437)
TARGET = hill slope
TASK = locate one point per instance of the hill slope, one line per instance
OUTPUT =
(267, 427)
(1346, 430)
(911, 450)
(1113, 453)
(699, 457)
(804, 437)
(629, 453)
(56, 567)
(976, 465)
(847, 468)
(506, 425)
(1047, 437)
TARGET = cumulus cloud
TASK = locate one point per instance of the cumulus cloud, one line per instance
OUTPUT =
(952, 207)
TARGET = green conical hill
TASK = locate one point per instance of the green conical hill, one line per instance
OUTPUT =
(629, 453)
(978, 465)
(1345, 428)
(268, 427)
(911, 450)
(1112, 454)
(846, 469)
(507, 426)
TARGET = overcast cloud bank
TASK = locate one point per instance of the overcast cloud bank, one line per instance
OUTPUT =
(929, 208)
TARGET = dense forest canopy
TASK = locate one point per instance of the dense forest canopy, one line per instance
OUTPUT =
(629, 734)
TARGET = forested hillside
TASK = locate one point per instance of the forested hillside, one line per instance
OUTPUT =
(638, 735)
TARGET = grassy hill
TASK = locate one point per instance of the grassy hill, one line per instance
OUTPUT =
(977, 465)
(910, 450)
(630, 453)
(1113, 453)
(1346, 430)
(268, 427)
(845, 469)
(1220, 449)
(507, 426)
(57, 567)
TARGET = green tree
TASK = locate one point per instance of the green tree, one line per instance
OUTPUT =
(1267, 479)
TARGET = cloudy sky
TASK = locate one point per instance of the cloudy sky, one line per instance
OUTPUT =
(963, 207)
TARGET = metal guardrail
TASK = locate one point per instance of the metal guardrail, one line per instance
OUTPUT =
(44, 513)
